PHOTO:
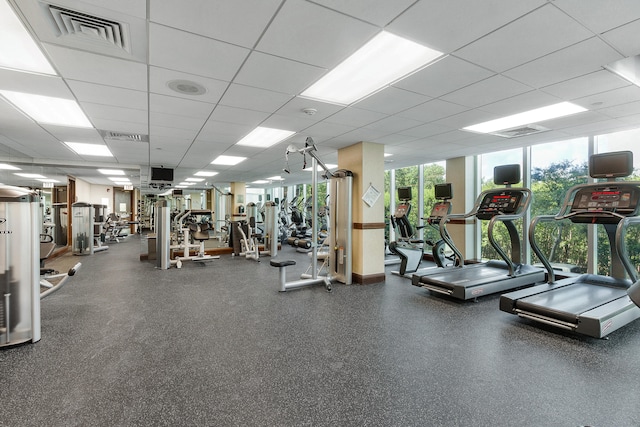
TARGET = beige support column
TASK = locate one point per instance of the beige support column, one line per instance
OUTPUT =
(461, 173)
(239, 191)
(366, 161)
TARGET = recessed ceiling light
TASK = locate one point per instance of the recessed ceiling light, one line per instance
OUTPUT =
(195, 179)
(260, 181)
(228, 160)
(122, 183)
(111, 171)
(265, 137)
(388, 154)
(9, 167)
(47, 180)
(528, 117)
(89, 149)
(385, 59)
(187, 183)
(276, 178)
(187, 87)
(19, 51)
(205, 173)
(119, 179)
(319, 168)
(30, 175)
(48, 110)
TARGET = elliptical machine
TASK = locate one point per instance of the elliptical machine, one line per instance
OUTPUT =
(408, 248)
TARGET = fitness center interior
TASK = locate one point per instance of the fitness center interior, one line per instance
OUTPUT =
(316, 212)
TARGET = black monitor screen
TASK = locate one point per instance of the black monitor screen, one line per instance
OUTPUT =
(443, 191)
(611, 165)
(177, 192)
(404, 193)
(506, 174)
(161, 174)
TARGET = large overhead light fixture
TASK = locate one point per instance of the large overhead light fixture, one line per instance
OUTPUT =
(528, 117)
(84, 149)
(119, 179)
(6, 166)
(19, 51)
(194, 179)
(111, 171)
(627, 68)
(48, 110)
(228, 160)
(264, 137)
(384, 60)
(30, 175)
(205, 173)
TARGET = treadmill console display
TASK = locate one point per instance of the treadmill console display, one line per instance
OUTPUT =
(498, 203)
(589, 203)
(439, 210)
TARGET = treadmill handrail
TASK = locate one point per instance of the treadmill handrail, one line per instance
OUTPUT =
(621, 231)
(551, 277)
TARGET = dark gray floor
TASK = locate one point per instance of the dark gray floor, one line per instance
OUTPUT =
(124, 344)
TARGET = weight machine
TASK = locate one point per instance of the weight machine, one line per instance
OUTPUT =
(340, 262)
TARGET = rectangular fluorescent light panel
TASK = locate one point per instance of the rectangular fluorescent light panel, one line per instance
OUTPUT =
(89, 149)
(47, 180)
(528, 117)
(228, 160)
(260, 181)
(187, 183)
(264, 137)
(319, 168)
(111, 171)
(205, 173)
(195, 179)
(19, 51)
(30, 175)
(276, 178)
(9, 167)
(48, 110)
(384, 60)
(119, 179)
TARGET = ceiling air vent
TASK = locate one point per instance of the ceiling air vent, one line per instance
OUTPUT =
(92, 28)
(121, 136)
(520, 131)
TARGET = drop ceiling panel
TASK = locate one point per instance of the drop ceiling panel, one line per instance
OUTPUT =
(534, 35)
(277, 74)
(393, 124)
(254, 98)
(433, 110)
(68, 134)
(520, 103)
(101, 69)
(33, 83)
(295, 124)
(377, 12)
(236, 22)
(622, 110)
(427, 130)
(449, 25)
(176, 121)
(294, 108)
(159, 79)
(172, 132)
(392, 100)
(109, 95)
(624, 38)
(223, 132)
(190, 53)
(601, 16)
(487, 91)
(355, 117)
(102, 111)
(314, 35)
(444, 76)
(610, 98)
(589, 84)
(239, 116)
(121, 127)
(582, 58)
(180, 106)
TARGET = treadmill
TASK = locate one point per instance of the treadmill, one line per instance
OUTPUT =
(592, 305)
(470, 281)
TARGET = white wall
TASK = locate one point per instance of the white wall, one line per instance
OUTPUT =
(94, 194)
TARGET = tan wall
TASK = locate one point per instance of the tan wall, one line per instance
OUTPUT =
(366, 161)
(461, 174)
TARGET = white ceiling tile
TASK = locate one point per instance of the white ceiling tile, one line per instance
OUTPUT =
(589, 84)
(520, 103)
(532, 36)
(582, 58)
(295, 107)
(190, 53)
(254, 98)
(392, 100)
(426, 130)
(171, 132)
(449, 25)
(68, 134)
(223, 132)
(464, 119)
(108, 95)
(487, 91)
(236, 22)
(325, 129)
(102, 111)
(120, 126)
(277, 74)
(159, 79)
(433, 110)
(180, 106)
(378, 12)
(34, 83)
(355, 117)
(624, 38)
(600, 16)
(175, 121)
(240, 116)
(314, 35)
(622, 110)
(444, 76)
(101, 69)
(610, 98)
(393, 124)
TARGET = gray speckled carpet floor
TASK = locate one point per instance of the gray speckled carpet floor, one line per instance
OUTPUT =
(216, 344)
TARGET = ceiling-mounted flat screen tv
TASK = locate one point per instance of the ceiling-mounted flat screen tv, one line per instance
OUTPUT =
(161, 174)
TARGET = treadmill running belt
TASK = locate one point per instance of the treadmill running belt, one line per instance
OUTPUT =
(569, 302)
